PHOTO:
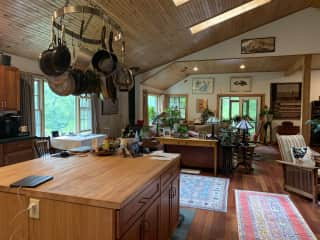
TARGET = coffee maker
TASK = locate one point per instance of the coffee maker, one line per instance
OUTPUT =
(9, 125)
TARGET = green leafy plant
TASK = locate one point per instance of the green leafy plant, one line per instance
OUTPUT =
(151, 113)
(172, 117)
(183, 129)
(206, 113)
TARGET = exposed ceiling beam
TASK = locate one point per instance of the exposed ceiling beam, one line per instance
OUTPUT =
(297, 66)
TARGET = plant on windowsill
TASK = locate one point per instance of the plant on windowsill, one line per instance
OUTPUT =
(171, 118)
(206, 113)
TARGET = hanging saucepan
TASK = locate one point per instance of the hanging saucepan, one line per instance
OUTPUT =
(92, 81)
(61, 56)
(62, 85)
(80, 83)
(45, 58)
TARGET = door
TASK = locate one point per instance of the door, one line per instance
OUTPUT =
(165, 213)
(151, 222)
(232, 107)
(175, 205)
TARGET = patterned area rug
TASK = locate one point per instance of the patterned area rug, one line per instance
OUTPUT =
(204, 192)
(269, 216)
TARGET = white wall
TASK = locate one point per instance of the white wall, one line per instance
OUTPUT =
(25, 64)
(115, 122)
(296, 34)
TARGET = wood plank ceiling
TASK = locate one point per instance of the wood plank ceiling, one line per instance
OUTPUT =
(156, 30)
(177, 71)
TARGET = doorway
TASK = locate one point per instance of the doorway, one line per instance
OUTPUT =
(231, 107)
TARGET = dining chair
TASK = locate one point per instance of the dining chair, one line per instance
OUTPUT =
(42, 146)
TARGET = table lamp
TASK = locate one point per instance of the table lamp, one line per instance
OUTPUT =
(213, 121)
(244, 125)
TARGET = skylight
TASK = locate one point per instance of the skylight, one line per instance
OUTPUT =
(227, 15)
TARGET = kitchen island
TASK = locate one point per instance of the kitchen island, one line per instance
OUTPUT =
(92, 198)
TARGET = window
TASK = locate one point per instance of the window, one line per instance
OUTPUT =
(178, 102)
(153, 107)
(68, 114)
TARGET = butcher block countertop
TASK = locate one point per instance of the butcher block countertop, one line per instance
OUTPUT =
(108, 182)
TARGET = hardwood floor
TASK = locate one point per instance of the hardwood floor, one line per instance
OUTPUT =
(267, 177)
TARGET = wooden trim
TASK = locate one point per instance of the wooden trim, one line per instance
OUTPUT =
(262, 101)
(306, 104)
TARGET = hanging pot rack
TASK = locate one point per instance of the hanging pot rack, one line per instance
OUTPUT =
(59, 13)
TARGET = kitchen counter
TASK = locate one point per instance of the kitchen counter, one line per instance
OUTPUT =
(15, 139)
(115, 187)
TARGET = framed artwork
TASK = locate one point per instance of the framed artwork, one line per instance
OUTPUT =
(201, 105)
(286, 100)
(108, 107)
(258, 45)
(240, 84)
(202, 85)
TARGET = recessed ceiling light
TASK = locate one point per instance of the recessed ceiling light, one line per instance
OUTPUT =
(180, 2)
(195, 68)
(242, 66)
(228, 15)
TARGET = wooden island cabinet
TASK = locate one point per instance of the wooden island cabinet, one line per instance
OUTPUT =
(92, 198)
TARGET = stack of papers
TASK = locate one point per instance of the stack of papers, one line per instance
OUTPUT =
(160, 155)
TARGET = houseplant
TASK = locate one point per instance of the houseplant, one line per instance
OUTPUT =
(206, 113)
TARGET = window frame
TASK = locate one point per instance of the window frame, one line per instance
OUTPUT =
(179, 95)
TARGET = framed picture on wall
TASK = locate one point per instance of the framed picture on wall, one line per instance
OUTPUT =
(240, 84)
(258, 45)
(202, 85)
(108, 107)
(201, 105)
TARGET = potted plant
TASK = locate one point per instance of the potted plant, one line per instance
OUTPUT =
(171, 118)
(183, 131)
(206, 113)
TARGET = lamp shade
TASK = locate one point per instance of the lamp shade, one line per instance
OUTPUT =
(244, 125)
(212, 120)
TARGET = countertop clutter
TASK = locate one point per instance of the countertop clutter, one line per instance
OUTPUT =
(92, 198)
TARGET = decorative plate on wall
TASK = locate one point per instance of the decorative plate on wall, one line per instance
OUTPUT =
(202, 85)
(240, 84)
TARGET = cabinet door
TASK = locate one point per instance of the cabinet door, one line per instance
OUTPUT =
(12, 84)
(20, 156)
(175, 204)
(151, 222)
(135, 232)
(1, 156)
(2, 87)
(165, 213)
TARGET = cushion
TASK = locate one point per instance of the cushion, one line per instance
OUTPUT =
(301, 153)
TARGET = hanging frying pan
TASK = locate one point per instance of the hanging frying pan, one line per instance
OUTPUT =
(63, 85)
(102, 60)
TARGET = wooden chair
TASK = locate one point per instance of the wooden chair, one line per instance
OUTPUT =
(302, 177)
(42, 146)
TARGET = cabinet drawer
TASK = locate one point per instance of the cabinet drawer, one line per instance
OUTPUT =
(170, 174)
(19, 156)
(127, 215)
(18, 146)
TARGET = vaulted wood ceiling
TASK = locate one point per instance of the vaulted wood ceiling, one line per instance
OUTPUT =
(156, 30)
(175, 72)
